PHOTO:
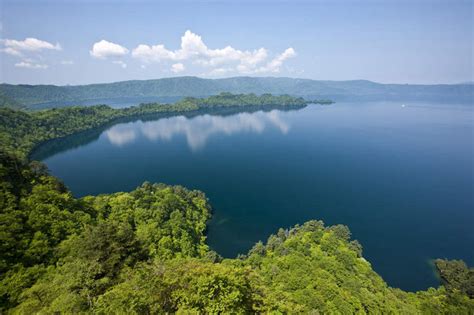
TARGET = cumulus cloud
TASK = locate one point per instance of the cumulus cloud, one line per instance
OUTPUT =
(220, 61)
(277, 62)
(30, 65)
(153, 53)
(105, 49)
(20, 47)
(177, 68)
(11, 51)
(30, 44)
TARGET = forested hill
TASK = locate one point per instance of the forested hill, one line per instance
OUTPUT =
(6, 101)
(194, 86)
(145, 252)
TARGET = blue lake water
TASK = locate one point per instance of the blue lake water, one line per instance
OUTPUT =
(401, 177)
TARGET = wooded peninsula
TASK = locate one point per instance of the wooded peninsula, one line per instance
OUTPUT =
(21, 131)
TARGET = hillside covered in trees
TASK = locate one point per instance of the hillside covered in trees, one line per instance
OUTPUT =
(145, 252)
(30, 95)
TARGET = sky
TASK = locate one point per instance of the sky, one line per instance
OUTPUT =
(83, 42)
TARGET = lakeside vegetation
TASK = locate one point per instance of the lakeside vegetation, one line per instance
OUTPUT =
(145, 251)
(21, 131)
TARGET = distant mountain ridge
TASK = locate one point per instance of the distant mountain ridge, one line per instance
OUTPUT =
(31, 95)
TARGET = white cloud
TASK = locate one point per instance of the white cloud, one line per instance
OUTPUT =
(177, 68)
(225, 60)
(277, 62)
(67, 62)
(105, 49)
(19, 47)
(30, 65)
(121, 63)
(11, 51)
(152, 53)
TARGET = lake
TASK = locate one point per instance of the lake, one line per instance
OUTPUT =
(399, 175)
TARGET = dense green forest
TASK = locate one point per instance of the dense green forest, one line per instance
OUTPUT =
(21, 131)
(29, 95)
(145, 251)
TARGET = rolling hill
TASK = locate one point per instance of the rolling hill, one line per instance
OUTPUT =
(31, 95)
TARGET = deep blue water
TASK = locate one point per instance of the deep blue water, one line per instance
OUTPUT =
(401, 177)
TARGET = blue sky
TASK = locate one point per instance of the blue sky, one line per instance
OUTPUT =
(79, 42)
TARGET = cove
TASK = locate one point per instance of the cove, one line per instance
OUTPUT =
(400, 177)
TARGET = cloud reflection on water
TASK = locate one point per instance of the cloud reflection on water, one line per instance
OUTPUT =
(121, 134)
(197, 130)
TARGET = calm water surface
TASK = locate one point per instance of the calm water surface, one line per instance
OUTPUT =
(401, 177)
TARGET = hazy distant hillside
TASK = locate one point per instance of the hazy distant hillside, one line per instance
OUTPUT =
(6, 101)
(193, 86)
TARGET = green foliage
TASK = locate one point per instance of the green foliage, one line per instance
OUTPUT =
(89, 240)
(181, 285)
(229, 99)
(456, 276)
(36, 213)
(316, 269)
(20, 131)
(169, 221)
